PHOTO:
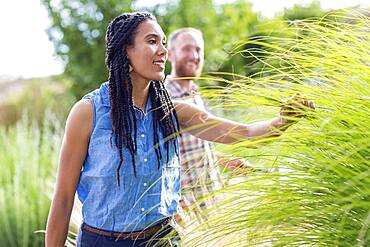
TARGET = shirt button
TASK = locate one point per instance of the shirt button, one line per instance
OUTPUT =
(145, 184)
(142, 135)
(142, 209)
(145, 160)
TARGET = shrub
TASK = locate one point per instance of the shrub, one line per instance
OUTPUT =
(319, 193)
(28, 158)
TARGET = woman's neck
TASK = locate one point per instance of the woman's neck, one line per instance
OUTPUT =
(140, 90)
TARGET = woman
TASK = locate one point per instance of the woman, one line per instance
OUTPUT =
(120, 149)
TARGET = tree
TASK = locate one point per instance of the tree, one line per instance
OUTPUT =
(78, 33)
(236, 22)
(189, 13)
(300, 12)
(222, 27)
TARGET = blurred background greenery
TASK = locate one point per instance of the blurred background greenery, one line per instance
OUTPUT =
(244, 50)
(78, 32)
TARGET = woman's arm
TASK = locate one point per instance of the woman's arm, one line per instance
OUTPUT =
(72, 155)
(206, 126)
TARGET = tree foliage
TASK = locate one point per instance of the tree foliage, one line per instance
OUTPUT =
(300, 12)
(78, 31)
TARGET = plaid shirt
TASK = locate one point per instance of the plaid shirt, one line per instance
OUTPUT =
(199, 176)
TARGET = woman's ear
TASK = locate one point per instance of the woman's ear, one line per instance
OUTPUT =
(128, 51)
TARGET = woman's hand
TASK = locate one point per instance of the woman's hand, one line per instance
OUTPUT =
(295, 108)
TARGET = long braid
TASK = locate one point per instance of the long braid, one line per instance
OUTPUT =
(120, 35)
(166, 116)
(154, 94)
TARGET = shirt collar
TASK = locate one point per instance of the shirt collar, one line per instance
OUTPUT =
(104, 91)
(181, 90)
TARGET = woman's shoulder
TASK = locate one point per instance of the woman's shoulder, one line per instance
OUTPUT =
(81, 116)
(99, 97)
(83, 107)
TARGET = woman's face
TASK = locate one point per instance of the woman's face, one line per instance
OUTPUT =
(148, 54)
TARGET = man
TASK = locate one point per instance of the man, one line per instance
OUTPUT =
(199, 174)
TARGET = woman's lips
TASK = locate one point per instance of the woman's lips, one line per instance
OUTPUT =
(160, 64)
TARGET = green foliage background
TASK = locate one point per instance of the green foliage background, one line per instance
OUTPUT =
(319, 196)
(78, 32)
(28, 161)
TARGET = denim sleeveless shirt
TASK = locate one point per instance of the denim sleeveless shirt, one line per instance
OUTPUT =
(139, 201)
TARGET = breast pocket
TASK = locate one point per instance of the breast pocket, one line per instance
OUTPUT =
(103, 156)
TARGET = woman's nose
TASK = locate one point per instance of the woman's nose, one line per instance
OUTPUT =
(163, 50)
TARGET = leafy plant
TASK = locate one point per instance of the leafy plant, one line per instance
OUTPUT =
(310, 187)
(28, 158)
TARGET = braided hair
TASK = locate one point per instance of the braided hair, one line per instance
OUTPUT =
(120, 35)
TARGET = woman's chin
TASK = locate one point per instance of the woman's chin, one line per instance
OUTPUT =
(159, 77)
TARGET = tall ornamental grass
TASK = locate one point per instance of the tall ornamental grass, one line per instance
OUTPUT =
(28, 159)
(311, 186)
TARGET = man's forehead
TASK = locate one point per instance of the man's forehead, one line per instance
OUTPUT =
(187, 38)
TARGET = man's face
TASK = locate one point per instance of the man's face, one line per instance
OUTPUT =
(187, 54)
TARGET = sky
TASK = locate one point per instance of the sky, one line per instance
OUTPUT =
(26, 52)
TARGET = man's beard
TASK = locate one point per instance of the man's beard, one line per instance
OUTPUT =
(182, 71)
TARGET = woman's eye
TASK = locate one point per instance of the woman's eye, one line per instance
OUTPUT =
(152, 41)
